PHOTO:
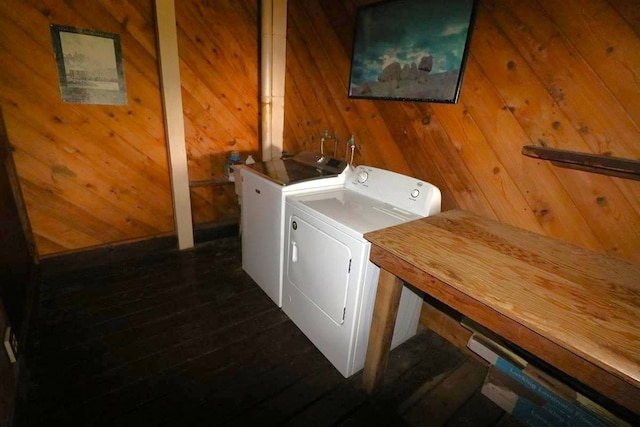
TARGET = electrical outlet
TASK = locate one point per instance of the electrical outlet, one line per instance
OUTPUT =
(11, 344)
(13, 339)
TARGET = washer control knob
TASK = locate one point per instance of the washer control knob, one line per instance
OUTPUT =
(363, 176)
(415, 193)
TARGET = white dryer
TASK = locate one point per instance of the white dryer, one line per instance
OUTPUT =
(329, 283)
(264, 186)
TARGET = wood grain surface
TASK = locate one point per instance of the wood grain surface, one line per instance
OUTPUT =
(543, 294)
(90, 174)
(386, 314)
(538, 73)
(218, 49)
(560, 75)
(94, 175)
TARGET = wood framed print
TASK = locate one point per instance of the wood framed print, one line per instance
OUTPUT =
(90, 69)
(411, 50)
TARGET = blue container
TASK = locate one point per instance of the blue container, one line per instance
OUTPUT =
(232, 159)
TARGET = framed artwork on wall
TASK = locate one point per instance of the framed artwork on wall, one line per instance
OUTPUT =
(90, 68)
(411, 50)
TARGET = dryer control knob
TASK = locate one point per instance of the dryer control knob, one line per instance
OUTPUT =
(363, 176)
(415, 193)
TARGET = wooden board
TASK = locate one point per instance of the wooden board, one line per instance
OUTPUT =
(571, 307)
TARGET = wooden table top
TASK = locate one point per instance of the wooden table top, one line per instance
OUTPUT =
(583, 301)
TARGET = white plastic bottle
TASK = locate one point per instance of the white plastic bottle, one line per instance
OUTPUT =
(232, 159)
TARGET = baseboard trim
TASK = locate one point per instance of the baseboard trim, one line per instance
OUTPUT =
(115, 252)
(121, 251)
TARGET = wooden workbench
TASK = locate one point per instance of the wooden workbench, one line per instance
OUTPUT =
(575, 309)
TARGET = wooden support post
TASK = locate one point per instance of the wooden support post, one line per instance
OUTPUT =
(382, 325)
(174, 121)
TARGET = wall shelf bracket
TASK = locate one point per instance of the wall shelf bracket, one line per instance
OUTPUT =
(605, 165)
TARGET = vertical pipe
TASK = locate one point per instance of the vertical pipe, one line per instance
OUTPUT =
(273, 61)
(265, 74)
(279, 49)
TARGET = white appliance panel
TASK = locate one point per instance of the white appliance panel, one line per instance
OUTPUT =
(371, 199)
(344, 344)
(333, 339)
(262, 225)
(324, 283)
(401, 191)
(261, 235)
(353, 213)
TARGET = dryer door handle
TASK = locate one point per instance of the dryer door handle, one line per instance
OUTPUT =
(294, 252)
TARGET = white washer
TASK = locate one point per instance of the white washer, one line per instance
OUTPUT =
(264, 186)
(329, 283)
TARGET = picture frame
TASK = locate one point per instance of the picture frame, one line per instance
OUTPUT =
(89, 63)
(411, 50)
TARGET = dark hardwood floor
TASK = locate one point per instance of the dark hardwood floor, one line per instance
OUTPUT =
(187, 338)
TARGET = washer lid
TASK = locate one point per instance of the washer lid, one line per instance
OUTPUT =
(351, 212)
(305, 166)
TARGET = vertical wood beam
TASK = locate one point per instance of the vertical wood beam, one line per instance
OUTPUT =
(386, 309)
(174, 121)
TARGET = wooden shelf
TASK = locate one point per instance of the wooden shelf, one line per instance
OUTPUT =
(210, 182)
(605, 165)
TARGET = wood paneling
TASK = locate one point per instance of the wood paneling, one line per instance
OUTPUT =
(91, 174)
(218, 48)
(96, 174)
(539, 72)
(320, 64)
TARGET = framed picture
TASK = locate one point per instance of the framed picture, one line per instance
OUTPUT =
(411, 50)
(90, 69)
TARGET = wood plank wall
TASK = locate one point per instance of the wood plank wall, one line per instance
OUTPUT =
(218, 48)
(562, 74)
(90, 174)
(559, 74)
(94, 174)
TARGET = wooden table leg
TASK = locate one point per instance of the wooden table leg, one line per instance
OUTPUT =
(382, 325)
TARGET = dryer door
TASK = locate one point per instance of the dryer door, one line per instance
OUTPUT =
(319, 267)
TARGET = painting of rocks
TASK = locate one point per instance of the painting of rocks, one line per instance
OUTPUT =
(411, 50)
